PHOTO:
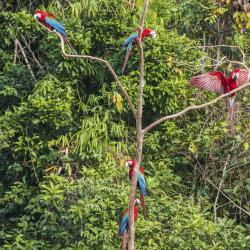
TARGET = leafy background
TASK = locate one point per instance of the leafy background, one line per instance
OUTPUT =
(65, 135)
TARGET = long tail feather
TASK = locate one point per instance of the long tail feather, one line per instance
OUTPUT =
(128, 52)
(231, 108)
(143, 206)
(124, 240)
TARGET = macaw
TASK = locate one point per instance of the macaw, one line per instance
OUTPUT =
(124, 223)
(216, 81)
(141, 183)
(50, 22)
(132, 40)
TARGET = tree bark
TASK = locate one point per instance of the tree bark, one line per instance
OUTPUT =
(139, 133)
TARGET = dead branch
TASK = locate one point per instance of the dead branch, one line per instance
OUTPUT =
(32, 53)
(25, 58)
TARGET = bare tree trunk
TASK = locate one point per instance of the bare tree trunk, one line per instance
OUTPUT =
(139, 133)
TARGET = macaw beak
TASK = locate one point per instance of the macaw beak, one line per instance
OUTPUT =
(153, 34)
(137, 201)
(236, 75)
(128, 164)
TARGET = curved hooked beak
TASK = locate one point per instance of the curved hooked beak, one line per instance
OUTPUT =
(137, 201)
(153, 34)
(128, 163)
(236, 75)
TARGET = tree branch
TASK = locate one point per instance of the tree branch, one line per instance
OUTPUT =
(25, 58)
(97, 59)
(193, 107)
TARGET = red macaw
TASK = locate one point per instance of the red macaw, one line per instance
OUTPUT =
(50, 22)
(141, 183)
(217, 82)
(132, 40)
(124, 223)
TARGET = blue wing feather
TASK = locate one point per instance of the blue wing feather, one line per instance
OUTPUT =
(130, 39)
(142, 184)
(56, 25)
(123, 224)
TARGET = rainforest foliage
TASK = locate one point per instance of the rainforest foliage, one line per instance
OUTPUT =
(65, 130)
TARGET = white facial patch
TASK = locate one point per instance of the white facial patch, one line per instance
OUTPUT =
(128, 163)
(138, 201)
(153, 34)
(37, 16)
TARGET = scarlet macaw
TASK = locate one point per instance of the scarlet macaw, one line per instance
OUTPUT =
(50, 22)
(124, 223)
(141, 183)
(217, 82)
(132, 40)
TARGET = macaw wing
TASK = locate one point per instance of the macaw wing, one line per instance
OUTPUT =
(142, 182)
(244, 77)
(211, 81)
(123, 224)
(56, 25)
(130, 39)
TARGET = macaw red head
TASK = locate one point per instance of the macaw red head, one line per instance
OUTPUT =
(148, 32)
(235, 74)
(130, 163)
(39, 15)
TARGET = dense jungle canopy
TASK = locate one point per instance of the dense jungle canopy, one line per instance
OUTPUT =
(66, 131)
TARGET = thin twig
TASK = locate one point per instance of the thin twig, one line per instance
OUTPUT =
(15, 52)
(32, 53)
(225, 46)
(223, 193)
(219, 188)
(25, 59)
(193, 107)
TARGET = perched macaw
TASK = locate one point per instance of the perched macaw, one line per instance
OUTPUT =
(132, 40)
(217, 82)
(124, 223)
(141, 183)
(50, 22)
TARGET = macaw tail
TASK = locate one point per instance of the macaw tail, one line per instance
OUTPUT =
(143, 206)
(124, 240)
(231, 108)
(128, 53)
